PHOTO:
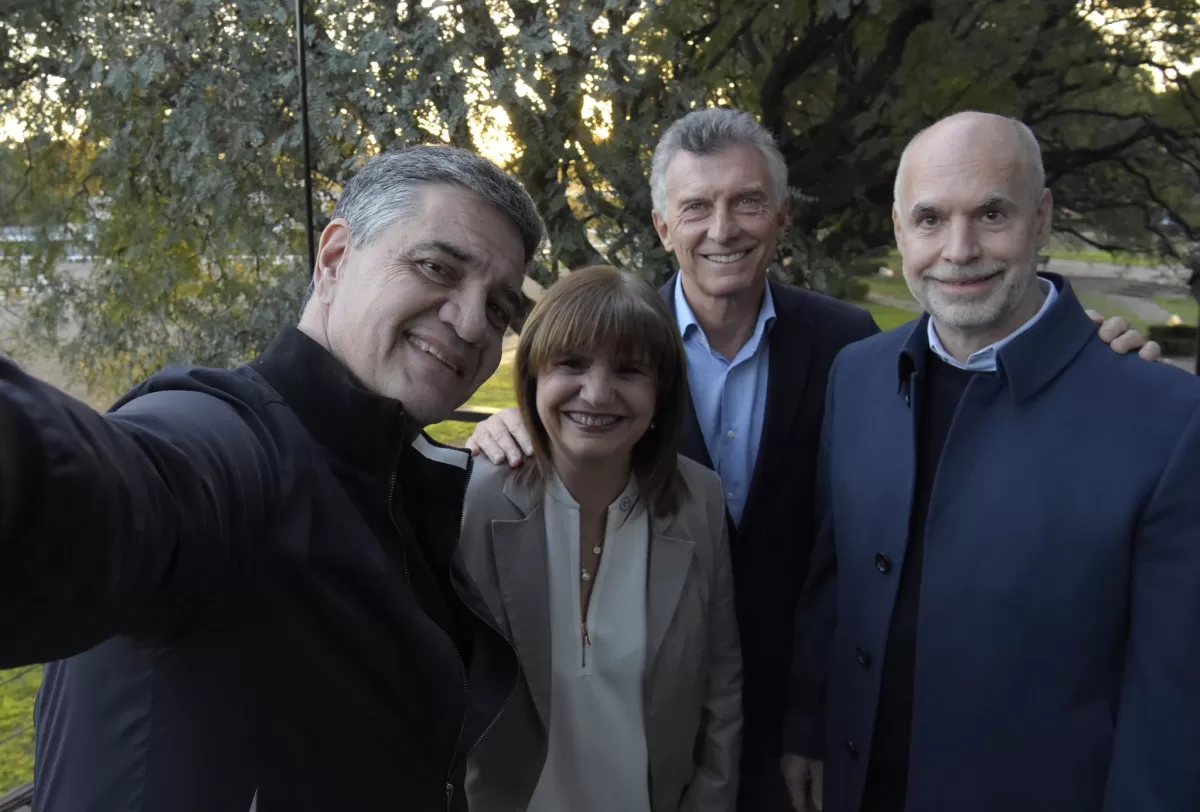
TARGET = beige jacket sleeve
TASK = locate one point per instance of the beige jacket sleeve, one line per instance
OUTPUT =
(718, 748)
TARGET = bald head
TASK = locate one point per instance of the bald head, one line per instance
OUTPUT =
(970, 136)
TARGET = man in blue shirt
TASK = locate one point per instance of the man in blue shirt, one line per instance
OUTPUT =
(758, 356)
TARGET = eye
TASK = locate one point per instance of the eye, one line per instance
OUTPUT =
(993, 216)
(630, 370)
(499, 315)
(572, 363)
(693, 207)
(928, 221)
(434, 267)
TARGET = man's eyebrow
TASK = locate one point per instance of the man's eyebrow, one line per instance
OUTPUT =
(998, 201)
(459, 253)
(920, 210)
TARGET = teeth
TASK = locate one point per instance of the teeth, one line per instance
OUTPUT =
(429, 348)
(592, 419)
(727, 258)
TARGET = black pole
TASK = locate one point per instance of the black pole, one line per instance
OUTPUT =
(308, 193)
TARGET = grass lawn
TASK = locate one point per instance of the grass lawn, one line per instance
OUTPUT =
(496, 393)
(1105, 258)
(18, 688)
(889, 318)
(1184, 307)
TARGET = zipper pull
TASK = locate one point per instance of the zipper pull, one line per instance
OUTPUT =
(587, 642)
(449, 793)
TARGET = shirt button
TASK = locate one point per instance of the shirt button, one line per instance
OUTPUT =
(624, 504)
(732, 434)
(864, 657)
(883, 563)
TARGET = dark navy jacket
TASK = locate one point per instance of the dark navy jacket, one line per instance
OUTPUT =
(258, 566)
(771, 548)
(1058, 641)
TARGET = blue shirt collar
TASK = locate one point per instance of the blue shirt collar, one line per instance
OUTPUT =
(985, 360)
(685, 317)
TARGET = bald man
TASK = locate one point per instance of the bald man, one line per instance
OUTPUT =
(1003, 610)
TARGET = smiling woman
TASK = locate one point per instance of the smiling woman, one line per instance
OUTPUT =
(601, 552)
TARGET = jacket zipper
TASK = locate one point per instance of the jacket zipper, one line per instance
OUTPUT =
(462, 520)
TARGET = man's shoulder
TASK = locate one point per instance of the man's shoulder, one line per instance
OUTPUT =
(834, 319)
(241, 385)
(1155, 386)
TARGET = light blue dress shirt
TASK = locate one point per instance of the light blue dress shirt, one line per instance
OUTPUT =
(730, 397)
(985, 360)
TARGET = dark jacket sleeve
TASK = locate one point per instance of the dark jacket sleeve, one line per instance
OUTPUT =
(1157, 734)
(816, 615)
(119, 523)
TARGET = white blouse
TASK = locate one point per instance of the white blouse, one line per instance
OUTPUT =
(597, 759)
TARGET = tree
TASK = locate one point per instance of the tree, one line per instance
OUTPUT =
(184, 179)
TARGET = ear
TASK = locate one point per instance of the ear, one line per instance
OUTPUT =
(896, 231)
(1045, 218)
(660, 225)
(331, 255)
(784, 216)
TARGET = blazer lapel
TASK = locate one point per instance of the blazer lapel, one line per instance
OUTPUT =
(519, 549)
(670, 562)
(790, 343)
(692, 444)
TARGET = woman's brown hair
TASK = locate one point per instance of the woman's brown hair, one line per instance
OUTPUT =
(599, 308)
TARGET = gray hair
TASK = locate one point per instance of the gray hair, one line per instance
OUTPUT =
(1031, 150)
(707, 132)
(388, 189)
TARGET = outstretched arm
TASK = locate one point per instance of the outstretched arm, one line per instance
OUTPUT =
(116, 524)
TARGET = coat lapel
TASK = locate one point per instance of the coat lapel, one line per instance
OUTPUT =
(692, 444)
(519, 548)
(787, 377)
(670, 562)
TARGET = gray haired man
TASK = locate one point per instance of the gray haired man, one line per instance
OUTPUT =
(254, 569)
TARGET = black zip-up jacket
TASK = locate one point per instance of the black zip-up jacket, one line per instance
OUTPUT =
(256, 570)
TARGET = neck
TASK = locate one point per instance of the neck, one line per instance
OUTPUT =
(962, 344)
(594, 484)
(728, 322)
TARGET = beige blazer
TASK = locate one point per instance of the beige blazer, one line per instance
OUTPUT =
(693, 682)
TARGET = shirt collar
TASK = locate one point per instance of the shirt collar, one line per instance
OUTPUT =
(985, 360)
(685, 317)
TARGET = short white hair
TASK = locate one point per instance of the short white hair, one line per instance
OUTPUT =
(708, 132)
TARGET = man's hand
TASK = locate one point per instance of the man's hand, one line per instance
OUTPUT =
(805, 781)
(502, 437)
(1117, 333)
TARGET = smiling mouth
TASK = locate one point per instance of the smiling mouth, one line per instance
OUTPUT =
(727, 259)
(966, 283)
(426, 347)
(593, 421)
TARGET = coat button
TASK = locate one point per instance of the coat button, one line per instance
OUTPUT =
(852, 751)
(864, 657)
(883, 563)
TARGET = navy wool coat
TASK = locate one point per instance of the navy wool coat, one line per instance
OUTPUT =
(1058, 642)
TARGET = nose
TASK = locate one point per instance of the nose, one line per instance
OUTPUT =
(723, 227)
(961, 246)
(466, 312)
(597, 385)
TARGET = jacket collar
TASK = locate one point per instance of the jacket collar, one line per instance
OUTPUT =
(519, 550)
(1029, 361)
(365, 430)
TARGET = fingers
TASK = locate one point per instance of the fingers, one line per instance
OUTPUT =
(1150, 351)
(1112, 329)
(1096, 318)
(494, 438)
(795, 777)
(511, 418)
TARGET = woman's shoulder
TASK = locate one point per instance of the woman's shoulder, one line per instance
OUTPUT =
(487, 486)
